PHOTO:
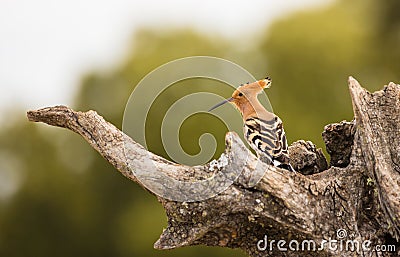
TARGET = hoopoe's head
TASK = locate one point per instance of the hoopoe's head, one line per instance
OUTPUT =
(243, 96)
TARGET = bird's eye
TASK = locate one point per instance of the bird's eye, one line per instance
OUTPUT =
(240, 94)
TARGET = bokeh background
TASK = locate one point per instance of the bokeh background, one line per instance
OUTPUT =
(60, 198)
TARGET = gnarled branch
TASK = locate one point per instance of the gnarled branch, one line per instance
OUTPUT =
(360, 192)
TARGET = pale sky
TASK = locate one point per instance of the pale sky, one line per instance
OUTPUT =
(47, 45)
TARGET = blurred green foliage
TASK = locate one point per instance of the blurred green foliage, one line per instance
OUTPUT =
(311, 54)
(59, 198)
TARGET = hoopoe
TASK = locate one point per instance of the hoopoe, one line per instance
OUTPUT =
(263, 130)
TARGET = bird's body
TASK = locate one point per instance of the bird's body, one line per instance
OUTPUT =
(263, 130)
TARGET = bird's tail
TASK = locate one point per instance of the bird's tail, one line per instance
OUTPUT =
(286, 166)
(283, 165)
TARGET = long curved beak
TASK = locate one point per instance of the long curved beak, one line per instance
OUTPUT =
(221, 103)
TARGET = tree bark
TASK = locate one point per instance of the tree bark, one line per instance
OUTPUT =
(358, 194)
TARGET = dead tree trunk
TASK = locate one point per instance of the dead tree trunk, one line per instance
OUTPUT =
(355, 200)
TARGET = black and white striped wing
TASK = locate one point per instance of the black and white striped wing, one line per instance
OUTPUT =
(268, 139)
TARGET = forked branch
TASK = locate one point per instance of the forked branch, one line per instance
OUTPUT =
(359, 193)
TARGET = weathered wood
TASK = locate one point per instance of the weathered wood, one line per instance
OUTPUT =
(358, 193)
